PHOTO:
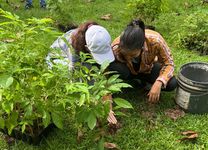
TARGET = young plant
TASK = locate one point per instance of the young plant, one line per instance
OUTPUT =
(89, 84)
(31, 95)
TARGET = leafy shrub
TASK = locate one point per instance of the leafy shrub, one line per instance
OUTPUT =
(31, 94)
(61, 9)
(187, 28)
(148, 10)
(193, 32)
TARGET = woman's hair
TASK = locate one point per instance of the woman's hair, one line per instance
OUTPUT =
(133, 36)
(78, 39)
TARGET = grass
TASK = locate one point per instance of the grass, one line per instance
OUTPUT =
(138, 131)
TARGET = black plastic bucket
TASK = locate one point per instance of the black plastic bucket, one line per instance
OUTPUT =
(192, 92)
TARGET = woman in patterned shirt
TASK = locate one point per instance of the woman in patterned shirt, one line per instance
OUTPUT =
(143, 54)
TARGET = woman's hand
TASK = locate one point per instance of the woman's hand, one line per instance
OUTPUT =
(111, 116)
(154, 93)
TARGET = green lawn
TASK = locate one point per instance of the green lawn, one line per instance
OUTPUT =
(138, 131)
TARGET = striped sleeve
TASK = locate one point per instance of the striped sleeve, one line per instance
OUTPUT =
(167, 61)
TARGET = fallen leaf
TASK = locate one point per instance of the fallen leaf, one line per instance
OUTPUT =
(106, 17)
(8, 40)
(190, 135)
(174, 113)
(110, 145)
(188, 132)
(193, 136)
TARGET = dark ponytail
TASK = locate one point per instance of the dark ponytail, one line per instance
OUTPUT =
(137, 22)
(133, 36)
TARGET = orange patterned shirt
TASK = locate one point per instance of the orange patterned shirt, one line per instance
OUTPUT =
(154, 46)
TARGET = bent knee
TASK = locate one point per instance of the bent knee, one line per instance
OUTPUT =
(172, 84)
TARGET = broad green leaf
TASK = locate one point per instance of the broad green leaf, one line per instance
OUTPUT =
(28, 110)
(123, 85)
(11, 122)
(91, 61)
(9, 82)
(7, 106)
(2, 123)
(10, 128)
(82, 88)
(82, 114)
(122, 103)
(104, 66)
(82, 99)
(116, 107)
(48, 75)
(113, 78)
(118, 113)
(57, 120)
(117, 87)
(99, 111)
(46, 119)
(101, 84)
(114, 88)
(91, 121)
(26, 69)
(23, 126)
(5, 81)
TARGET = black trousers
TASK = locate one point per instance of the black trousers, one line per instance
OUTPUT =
(126, 75)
